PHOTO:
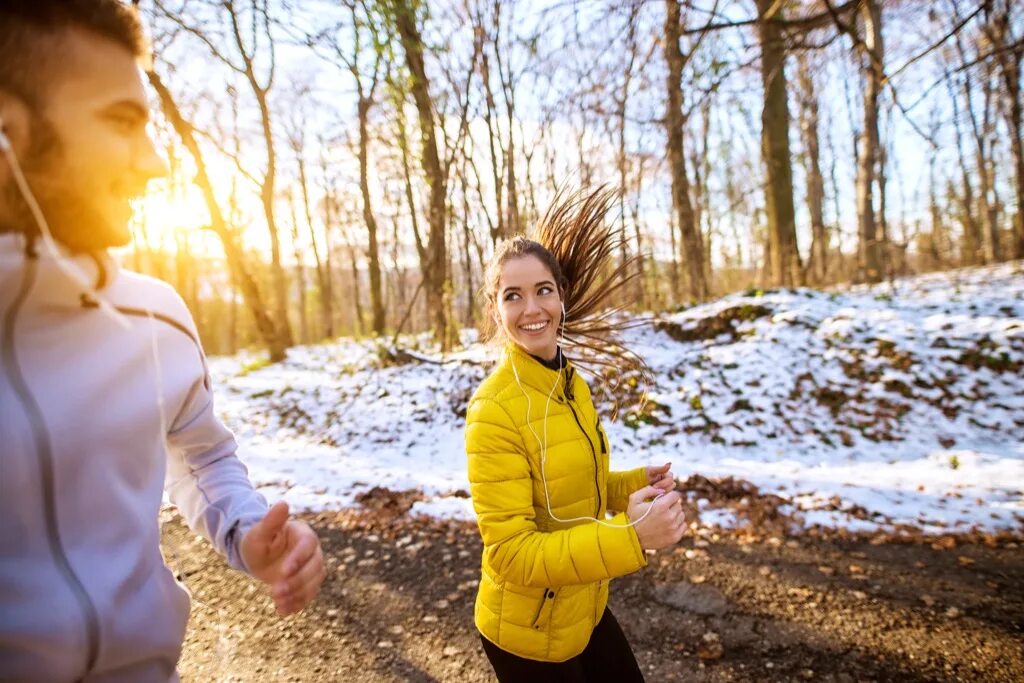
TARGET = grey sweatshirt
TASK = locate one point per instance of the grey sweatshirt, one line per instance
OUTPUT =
(84, 457)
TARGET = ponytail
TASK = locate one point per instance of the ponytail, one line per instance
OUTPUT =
(577, 245)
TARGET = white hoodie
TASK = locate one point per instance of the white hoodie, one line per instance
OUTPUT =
(84, 592)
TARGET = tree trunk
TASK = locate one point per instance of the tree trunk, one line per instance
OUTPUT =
(512, 218)
(936, 246)
(300, 274)
(267, 198)
(268, 330)
(357, 302)
(971, 240)
(622, 101)
(1009, 66)
(323, 274)
(818, 261)
(691, 247)
(435, 271)
(986, 174)
(882, 219)
(373, 250)
(498, 231)
(784, 261)
(869, 250)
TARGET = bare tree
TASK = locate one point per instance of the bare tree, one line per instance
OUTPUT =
(971, 250)
(250, 36)
(784, 259)
(1009, 52)
(691, 245)
(268, 329)
(366, 81)
(807, 97)
(436, 278)
(297, 143)
(981, 132)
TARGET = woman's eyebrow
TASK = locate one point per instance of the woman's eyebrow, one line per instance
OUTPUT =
(516, 288)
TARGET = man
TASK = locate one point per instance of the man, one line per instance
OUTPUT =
(104, 393)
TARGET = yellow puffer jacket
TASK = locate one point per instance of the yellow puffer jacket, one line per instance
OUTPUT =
(544, 583)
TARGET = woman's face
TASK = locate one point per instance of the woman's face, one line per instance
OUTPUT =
(529, 307)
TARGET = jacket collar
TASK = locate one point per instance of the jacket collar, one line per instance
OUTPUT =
(531, 372)
(54, 282)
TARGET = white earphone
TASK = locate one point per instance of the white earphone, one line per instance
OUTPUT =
(543, 443)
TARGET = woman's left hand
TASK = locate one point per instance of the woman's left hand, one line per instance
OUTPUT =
(661, 477)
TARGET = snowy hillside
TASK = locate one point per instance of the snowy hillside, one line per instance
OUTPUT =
(872, 408)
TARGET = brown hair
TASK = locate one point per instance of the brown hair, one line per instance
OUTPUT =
(30, 38)
(579, 247)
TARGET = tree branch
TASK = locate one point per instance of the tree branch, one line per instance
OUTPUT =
(937, 44)
(803, 23)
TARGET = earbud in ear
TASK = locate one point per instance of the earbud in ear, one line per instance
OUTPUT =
(5, 143)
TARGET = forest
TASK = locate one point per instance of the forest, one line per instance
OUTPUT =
(346, 168)
(821, 207)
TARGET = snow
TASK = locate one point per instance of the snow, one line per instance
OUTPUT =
(904, 399)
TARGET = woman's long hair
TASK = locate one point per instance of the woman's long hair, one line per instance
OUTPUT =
(579, 247)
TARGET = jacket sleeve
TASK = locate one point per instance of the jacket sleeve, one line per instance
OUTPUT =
(622, 484)
(205, 479)
(502, 489)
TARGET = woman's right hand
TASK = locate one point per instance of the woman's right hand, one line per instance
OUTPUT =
(664, 525)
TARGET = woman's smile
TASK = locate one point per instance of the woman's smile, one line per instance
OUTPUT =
(535, 328)
(530, 305)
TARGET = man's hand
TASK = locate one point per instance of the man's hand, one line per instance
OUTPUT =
(284, 554)
(661, 477)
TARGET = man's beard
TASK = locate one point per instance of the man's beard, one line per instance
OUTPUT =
(72, 218)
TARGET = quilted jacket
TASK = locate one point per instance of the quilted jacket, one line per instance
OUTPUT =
(544, 582)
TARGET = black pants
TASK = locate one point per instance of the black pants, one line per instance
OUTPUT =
(607, 657)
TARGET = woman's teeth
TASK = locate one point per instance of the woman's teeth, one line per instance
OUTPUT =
(534, 327)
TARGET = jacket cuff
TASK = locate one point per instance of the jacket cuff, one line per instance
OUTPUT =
(233, 541)
(634, 558)
(637, 479)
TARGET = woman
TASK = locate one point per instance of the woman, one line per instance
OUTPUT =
(538, 461)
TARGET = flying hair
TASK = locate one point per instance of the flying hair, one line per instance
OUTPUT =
(585, 255)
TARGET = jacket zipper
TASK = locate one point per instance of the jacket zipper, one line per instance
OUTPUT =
(548, 595)
(593, 453)
(44, 453)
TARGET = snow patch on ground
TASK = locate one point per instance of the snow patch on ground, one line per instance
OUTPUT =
(904, 399)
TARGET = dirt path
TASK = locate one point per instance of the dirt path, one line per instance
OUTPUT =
(397, 606)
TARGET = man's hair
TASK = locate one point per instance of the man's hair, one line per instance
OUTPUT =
(31, 32)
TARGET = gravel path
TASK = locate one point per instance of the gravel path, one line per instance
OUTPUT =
(398, 601)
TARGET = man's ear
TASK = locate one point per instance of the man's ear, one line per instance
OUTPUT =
(14, 124)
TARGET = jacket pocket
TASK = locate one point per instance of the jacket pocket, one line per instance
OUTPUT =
(543, 615)
(600, 437)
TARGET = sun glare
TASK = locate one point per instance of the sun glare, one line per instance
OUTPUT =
(172, 218)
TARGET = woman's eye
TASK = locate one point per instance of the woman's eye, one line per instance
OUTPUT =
(545, 291)
(511, 296)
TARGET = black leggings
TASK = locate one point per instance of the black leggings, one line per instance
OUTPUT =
(607, 657)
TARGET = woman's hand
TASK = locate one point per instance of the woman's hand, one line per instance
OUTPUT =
(662, 522)
(661, 477)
